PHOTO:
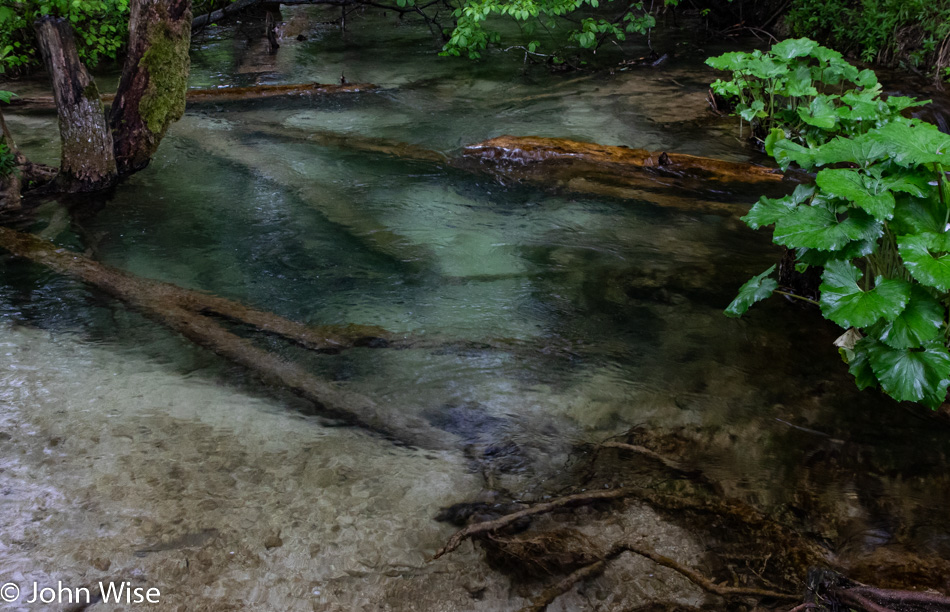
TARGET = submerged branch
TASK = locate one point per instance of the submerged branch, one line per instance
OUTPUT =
(184, 311)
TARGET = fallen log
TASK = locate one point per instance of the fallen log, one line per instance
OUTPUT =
(187, 312)
(222, 94)
(534, 150)
(615, 172)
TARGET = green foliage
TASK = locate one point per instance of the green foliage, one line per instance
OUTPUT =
(7, 158)
(796, 92)
(101, 28)
(877, 219)
(883, 31)
(7, 161)
(472, 33)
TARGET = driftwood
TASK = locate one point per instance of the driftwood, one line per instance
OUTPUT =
(191, 314)
(222, 94)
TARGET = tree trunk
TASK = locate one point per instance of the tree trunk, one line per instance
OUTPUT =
(151, 94)
(87, 162)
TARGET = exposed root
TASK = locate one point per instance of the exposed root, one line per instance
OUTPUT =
(540, 554)
(500, 523)
(547, 597)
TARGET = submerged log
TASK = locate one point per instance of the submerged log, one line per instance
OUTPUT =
(187, 312)
(581, 168)
(151, 94)
(87, 159)
(374, 234)
(222, 94)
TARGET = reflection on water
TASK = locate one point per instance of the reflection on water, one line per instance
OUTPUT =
(596, 315)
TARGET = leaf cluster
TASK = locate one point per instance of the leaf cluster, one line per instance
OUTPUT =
(876, 221)
(101, 28)
(888, 32)
(807, 89)
(473, 32)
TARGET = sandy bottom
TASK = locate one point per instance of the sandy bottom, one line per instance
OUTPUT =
(116, 468)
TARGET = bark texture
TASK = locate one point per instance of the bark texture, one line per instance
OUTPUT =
(151, 94)
(87, 162)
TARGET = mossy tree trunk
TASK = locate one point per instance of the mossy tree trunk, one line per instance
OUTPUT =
(151, 94)
(87, 162)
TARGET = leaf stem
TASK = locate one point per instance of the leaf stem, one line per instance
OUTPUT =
(797, 297)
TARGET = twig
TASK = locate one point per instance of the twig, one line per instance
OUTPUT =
(487, 526)
(548, 595)
(797, 297)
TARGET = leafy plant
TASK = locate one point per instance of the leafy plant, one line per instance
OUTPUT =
(889, 32)
(801, 86)
(7, 158)
(471, 36)
(876, 219)
(101, 28)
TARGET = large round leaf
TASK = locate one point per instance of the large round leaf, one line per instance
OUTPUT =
(790, 48)
(768, 210)
(912, 144)
(869, 193)
(921, 322)
(844, 302)
(915, 375)
(927, 257)
(817, 227)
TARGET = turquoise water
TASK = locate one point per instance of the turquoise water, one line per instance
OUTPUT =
(596, 315)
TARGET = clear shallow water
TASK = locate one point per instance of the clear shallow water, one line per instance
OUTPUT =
(613, 309)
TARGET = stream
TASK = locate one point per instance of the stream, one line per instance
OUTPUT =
(128, 453)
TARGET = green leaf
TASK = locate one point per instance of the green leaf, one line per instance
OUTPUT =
(819, 113)
(6, 96)
(817, 227)
(866, 192)
(775, 135)
(911, 374)
(767, 210)
(911, 144)
(791, 48)
(735, 61)
(844, 302)
(860, 366)
(920, 322)
(852, 250)
(756, 289)
(786, 152)
(863, 150)
(926, 258)
(918, 215)
(756, 109)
